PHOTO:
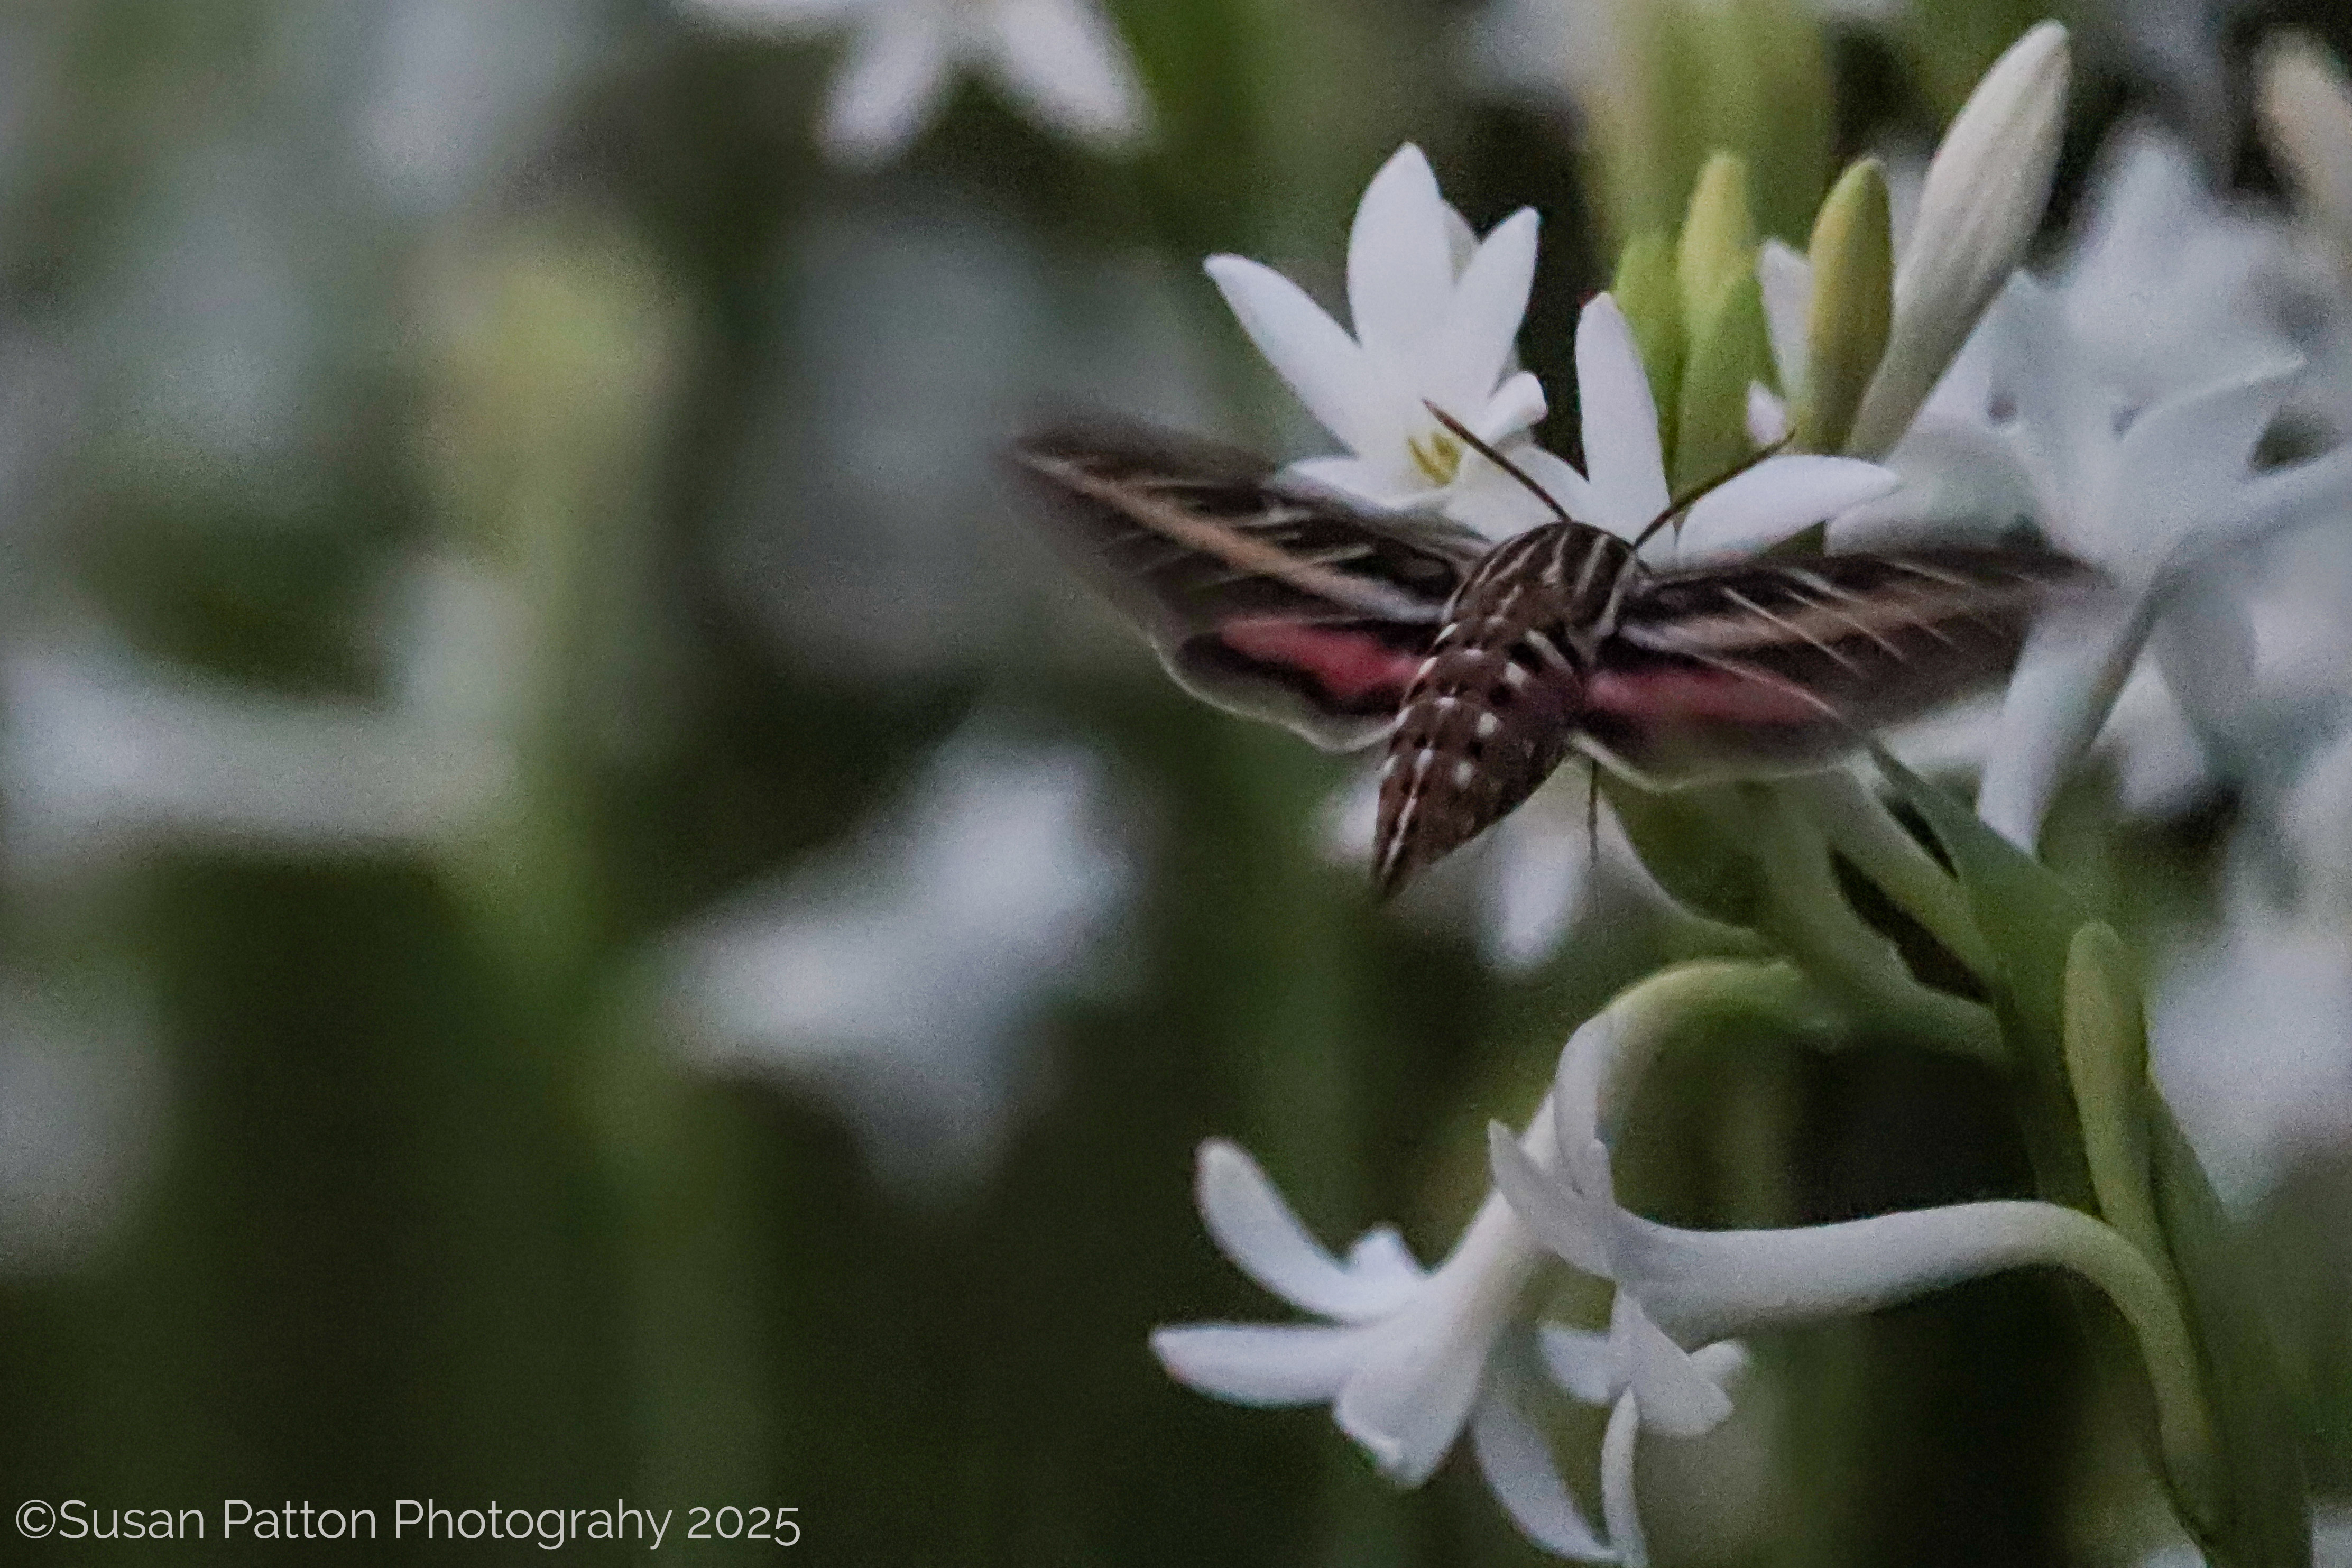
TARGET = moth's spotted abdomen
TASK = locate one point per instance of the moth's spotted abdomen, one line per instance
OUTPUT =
(1492, 710)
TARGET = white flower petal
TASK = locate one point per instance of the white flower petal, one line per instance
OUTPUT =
(1498, 506)
(2065, 681)
(1677, 1399)
(1579, 1360)
(777, 15)
(1380, 1257)
(1620, 1514)
(1519, 1469)
(1063, 60)
(1778, 497)
(1408, 1399)
(1251, 1225)
(1537, 891)
(890, 87)
(1480, 328)
(1516, 406)
(1768, 417)
(1576, 1230)
(2183, 461)
(1384, 485)
(1307, 349)
(1261, 1363)
(1623, 463)
(1787, 280)
(1400, 262)
(1725, 1364)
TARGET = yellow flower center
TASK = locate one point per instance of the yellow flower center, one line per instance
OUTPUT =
(1437, 455)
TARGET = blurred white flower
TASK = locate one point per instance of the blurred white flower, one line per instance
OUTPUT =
(1061, 61)
(901, 973)
(1406, 1359)
(2306, 114)
(1678, 1289)
(2250, 1034)
(103, 750)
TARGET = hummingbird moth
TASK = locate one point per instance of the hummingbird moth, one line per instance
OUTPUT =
(1484, 666)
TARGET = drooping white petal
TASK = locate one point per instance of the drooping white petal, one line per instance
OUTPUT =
(1251, 1225)
(1307, 348)
(1400, 262)
(1554, 1213)
(894, 81)
(2181, 462)
(1579, 1360)
(1063, 61)
(1623, 462)
(1778, 497)
(1515, 407)
(1621, 1514)
(1786, 282)
(1426, 1364)
(2064, 683)
(1517, 1464)
(1768, 415)
(1479, 327)
(1261, 1363)
(1676, 1398)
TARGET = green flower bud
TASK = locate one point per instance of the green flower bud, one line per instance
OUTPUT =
(1719, 241)
(1651, 295)
(1731, 350)
(1853, 303)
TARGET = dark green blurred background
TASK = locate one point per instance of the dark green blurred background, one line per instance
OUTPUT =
(502, 397)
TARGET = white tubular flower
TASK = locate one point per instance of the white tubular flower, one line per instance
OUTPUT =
(1406, 1358)
(1436, 314)
(1681, 1294)
(1984, 197)
(1059, 61)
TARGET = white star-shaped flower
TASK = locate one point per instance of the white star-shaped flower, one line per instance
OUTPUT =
(1407, 1358)
(1059, 61)
(1436, 314)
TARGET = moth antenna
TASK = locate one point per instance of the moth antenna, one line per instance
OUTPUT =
(1462, 433)
(1697, 493)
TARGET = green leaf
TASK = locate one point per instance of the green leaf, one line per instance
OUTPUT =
(2107, 1063)
(2029, 918)
(2265, 1520)
(1696, 842)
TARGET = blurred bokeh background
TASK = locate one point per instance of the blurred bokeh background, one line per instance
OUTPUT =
(589, 914)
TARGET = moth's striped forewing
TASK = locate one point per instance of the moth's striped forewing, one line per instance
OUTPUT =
(1271, 599)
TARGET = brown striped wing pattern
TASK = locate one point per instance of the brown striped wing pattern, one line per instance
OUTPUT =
(1272, 600)
(1764, 667)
